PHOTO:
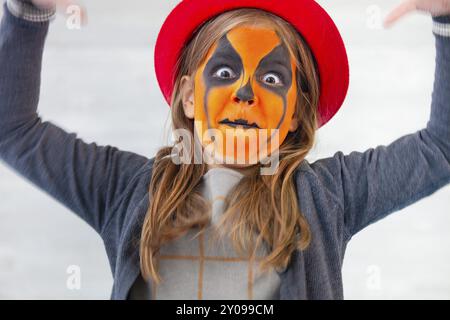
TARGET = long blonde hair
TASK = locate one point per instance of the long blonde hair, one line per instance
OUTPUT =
(265, 205)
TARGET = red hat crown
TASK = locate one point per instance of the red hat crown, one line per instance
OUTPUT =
(306, 16)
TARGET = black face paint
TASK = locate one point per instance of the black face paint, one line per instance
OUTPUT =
(278, 62)
(224, 55)
(239, 122)
(245, 93)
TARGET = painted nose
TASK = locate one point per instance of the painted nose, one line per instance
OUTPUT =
(245, 94)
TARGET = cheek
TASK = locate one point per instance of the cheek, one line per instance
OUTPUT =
(271, 106)
(291, 98)
(218, 98)
(217, 101)
(199, 93)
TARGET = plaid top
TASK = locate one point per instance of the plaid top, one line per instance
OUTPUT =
(195, 267)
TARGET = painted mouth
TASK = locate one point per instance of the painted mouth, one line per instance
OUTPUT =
(239, 123)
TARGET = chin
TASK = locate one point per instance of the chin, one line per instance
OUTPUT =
(231, 159)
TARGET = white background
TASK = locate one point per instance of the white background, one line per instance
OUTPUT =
(100, 83)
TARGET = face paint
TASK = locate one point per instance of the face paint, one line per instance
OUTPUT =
(245, 89)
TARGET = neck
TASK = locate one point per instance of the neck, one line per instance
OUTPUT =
(244, 169)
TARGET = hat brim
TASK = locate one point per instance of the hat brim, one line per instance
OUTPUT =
(307, 16)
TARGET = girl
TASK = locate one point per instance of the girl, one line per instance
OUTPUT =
(174, 227)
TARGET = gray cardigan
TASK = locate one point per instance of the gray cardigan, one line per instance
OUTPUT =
(107, 187)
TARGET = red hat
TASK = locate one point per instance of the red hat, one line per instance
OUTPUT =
(308, 17)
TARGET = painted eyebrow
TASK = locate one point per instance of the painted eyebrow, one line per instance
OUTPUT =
(224, 56)
(278, 64)
(273, 59)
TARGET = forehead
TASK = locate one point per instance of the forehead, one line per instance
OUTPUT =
(250, 42)
(257, 40)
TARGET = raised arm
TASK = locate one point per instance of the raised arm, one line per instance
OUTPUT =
(381, 180)
(87, 178)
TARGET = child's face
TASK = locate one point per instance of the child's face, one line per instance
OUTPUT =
(245, 88)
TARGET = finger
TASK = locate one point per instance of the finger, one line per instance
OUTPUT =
(44, 4)
(399, 12)
(63, 6)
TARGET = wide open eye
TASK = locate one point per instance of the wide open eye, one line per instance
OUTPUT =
(225, 73)
(272, 79)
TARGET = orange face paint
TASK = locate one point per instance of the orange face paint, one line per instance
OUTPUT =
(244, 89)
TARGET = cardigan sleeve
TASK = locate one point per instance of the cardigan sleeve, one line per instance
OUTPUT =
(372, 184)
(85, 177)
(25, 9)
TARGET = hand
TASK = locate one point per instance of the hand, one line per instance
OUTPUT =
(61, 6)
(434, 7)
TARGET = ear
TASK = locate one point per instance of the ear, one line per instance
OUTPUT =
(187, 96)
(294, 124)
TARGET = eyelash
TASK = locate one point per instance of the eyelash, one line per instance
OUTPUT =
(279, 76)
(214, 72)
(262, 77)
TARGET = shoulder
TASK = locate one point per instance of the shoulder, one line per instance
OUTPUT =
(147, 167)
(326, 170)
(322, 175)
(142, 177)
